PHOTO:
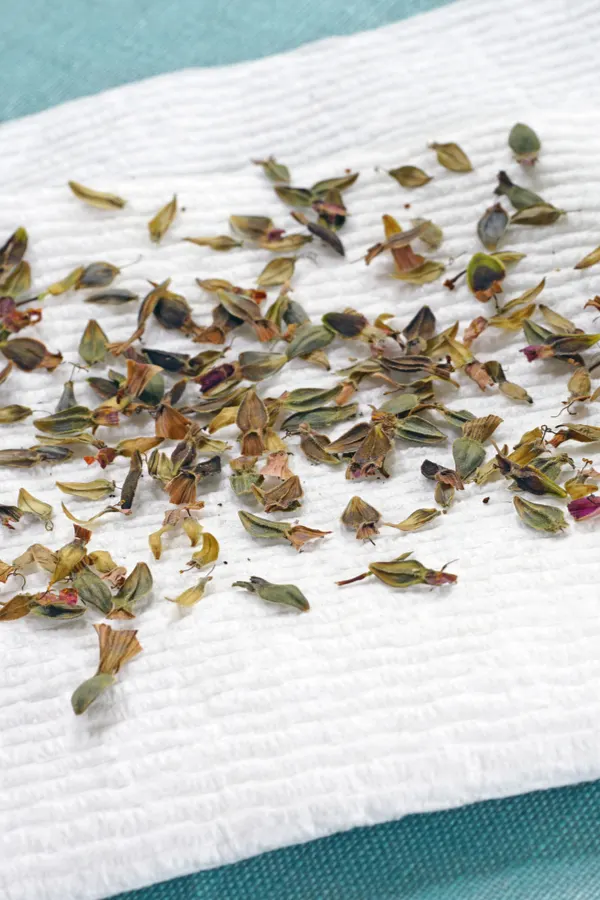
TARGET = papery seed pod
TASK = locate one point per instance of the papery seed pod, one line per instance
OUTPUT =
(539, 214)
(492, 225)
(191, 595)
(99, 274)
(540, 516)
(93, 344)
(93, 590)
(221, 242)
(403, 572)
(450, 156)
(160, 223)
(13, 251)
(281, 594)
(278, 271)
(136, 586)
(519, 197)
(362, 518)
(341, 183)
(418, 519)
(275, 171)
(99, 199)
(14, 413)
(112, 297)
(28, 354)
(116, 648)
(409, 176)
(485, 275)
(285, 497)
(524, 143)
(468, 455)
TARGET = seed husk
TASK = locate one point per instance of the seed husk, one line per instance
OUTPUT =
(99, 199)
(468, 455)
(403, 572)
(116, 648)
(278, 271)
(192, 595)
(135, 587)
(519, 197)
(93, 344)
(416, 520)
(540, 516)
(590, 260)
(409, 176)
(281, 594)
(161, 222)
(221, 242)
(13, 250)
(14, 413)
(450, 156)
(539, 214)
(27, 503)
(275, 171)
(28, 354)
(112, 297)
(524, 143)
(362, 518)
(296, 535)
(492, 225)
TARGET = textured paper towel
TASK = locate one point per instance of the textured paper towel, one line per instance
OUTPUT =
(240, 728)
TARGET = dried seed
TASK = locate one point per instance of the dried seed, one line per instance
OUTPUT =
(93, 344)
(281, 594)
(519, 197)
(27, 503)
(113, 297)
(524, 143)
(13, 413)
(99, 199)
(278, 271)
(409, 176)
(492, 225)
(539, 214)
(468, 455)
(159, 225)
(540, 516)
(99, 274)
(191, 595)
(416, 520)
(450, 156)
(277, 172)
(362, 518)
(116, 648)
(294, 196)
(221, 242)
(403, 572)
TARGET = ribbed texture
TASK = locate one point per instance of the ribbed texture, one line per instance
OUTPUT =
(241, 728)
(542, 846)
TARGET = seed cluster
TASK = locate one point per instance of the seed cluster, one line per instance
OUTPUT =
(189, 396)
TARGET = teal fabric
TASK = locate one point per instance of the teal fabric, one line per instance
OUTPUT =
(543, 846)
(540, 846)
(56, 50)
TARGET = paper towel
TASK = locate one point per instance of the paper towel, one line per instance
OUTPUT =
(241, 728)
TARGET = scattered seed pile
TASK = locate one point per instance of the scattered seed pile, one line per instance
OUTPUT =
(188, 397)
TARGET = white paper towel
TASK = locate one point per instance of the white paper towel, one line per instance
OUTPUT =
(241, 729)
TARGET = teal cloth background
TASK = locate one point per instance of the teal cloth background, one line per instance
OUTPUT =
(56, 50)
(542, 846)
